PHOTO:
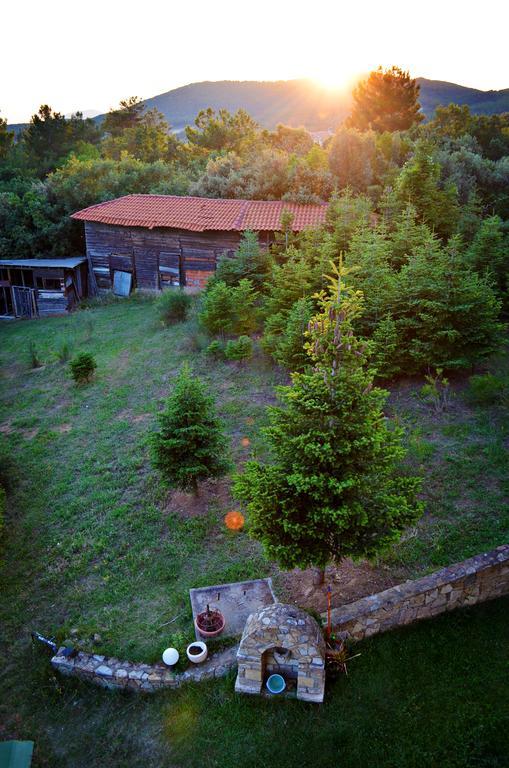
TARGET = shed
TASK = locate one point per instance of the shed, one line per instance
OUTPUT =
(40, 287)
(160, 241)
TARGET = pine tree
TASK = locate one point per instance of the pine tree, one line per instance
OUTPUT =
(388, 100)
(489, 253)
(190, 445)
(333, 488)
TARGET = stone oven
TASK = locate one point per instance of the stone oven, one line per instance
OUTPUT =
(282, 639)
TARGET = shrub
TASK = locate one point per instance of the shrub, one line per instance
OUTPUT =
(215, 349)
(173, 306)
(190, 445)
(485, 389)
(241, 349)
(288, 348)
(2, 509)
(83, 367)
(63, 350)
(229, 309)
(33, 352)
(216, 314)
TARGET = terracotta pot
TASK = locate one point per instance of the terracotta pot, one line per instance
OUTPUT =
(203, 618)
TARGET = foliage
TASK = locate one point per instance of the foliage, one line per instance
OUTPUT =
(288, 346)
(50, 138)
(228, 309)
(446, 314)
(190, 445)
(437, 391)
(174, 306)
(83, 367)
(486, 389)
(63, 350)
(333, 489)
(419, 184)
(239, 349)
(222, 130)
(388, 100)
(215, 349)
(6, 139)
(33, 355)
(351, 157)
(250, 261)
(489, 253)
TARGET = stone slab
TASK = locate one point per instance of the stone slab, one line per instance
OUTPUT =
(236, 601)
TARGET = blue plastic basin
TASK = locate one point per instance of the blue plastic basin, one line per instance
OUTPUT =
(276, 684)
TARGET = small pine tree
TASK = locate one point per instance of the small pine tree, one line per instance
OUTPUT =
(289, 346)
(83, 367)
(241, 349)
(333, 488)
(489, 253)
(250, 262)
(190, 445)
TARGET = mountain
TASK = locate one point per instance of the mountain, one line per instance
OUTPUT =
(301, 102)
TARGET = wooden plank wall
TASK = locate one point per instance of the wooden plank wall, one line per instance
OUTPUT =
(143, 251)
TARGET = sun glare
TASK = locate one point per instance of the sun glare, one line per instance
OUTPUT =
(336, 81)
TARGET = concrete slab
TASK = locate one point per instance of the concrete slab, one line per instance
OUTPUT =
(235, 601)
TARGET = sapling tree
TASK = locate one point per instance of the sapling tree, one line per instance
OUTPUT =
(334, 487)
(190, 445)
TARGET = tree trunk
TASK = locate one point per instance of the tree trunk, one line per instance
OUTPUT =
(318, 576)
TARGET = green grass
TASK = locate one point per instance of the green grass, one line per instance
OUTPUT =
(89, 544)
(436, 694)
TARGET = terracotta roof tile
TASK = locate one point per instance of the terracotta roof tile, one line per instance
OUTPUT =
(201, 213)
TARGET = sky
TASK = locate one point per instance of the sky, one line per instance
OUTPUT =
(90, 55)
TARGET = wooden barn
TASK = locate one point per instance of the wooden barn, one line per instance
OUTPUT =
(40, 287)
(151, 242)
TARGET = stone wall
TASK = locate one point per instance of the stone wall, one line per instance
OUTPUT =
(125, 675)
(480, 578)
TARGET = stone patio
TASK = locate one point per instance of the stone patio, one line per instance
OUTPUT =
(236, 601)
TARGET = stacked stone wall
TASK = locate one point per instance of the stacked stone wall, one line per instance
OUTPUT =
(480, 578)
(109, 672)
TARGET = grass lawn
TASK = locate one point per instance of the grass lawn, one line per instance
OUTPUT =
(92, 544)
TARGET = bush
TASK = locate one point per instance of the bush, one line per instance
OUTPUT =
(63, 350)
(2, 507)
(229, 309)
(83, 367)
(33, 353)
(215, 349)
(485, 389)
(173, 306)
(241, 349)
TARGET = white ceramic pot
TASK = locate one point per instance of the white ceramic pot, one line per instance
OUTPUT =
(196, 658)
(170, 656)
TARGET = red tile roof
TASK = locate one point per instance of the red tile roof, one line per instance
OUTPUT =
(201, 213)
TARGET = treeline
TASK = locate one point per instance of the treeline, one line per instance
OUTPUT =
(454, 170)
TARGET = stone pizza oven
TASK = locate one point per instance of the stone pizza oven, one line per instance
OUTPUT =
(282, 639)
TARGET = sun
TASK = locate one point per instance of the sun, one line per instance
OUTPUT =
(339, 82)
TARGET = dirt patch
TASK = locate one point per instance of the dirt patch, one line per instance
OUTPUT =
(127, 415)
(348, 582)
(212, 493)
(6, 429)
(63, 428)
(30, 433)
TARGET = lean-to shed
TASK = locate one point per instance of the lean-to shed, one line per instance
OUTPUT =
(39, 287)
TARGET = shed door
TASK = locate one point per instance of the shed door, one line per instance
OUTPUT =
(24, 301)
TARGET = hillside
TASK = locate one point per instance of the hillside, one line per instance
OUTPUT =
(299, 102)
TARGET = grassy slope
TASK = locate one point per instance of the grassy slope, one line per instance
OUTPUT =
(89, 544)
